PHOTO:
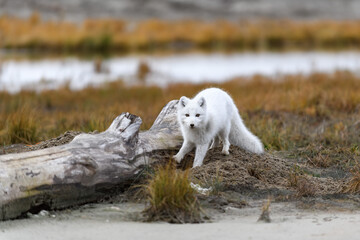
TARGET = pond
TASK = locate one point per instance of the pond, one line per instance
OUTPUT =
(49, 73)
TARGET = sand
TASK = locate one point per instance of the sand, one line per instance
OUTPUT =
(121, 221)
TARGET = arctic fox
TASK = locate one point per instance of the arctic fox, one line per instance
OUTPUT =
(209, 117)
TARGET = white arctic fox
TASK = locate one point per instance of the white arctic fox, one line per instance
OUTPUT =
(212, 116)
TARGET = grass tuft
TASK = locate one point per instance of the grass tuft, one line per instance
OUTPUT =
(353, 185)
(265, 213)
(171, 197)
(303, 186)
(294, 176)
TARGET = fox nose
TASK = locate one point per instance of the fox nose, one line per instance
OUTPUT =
(192, 125)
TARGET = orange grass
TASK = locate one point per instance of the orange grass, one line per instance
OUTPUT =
(102, 35)
(314, 117)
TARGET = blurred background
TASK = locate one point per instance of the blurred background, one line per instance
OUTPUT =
(79, 10)
(79, 43)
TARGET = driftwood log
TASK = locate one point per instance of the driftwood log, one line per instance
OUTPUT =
(87, 168)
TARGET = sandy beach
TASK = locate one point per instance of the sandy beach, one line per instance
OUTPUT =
(122, 221)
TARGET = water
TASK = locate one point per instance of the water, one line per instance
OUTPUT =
(193, 68)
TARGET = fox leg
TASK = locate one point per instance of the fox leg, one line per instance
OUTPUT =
(225, 139)
(185, 148)
(215, 142)
(200, 154)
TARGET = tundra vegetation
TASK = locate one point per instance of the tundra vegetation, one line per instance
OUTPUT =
(315, 116)
(313, 120)
(103, 35)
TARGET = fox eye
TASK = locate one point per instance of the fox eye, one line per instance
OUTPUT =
(187, 115)
(197, 115)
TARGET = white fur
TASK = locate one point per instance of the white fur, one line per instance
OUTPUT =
(209, 117)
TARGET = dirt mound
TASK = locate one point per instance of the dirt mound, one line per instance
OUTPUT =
(243, 172)
(60, 140)
(243, 168)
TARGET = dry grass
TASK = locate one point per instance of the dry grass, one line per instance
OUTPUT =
(353, 185)
(215, 183)
(320, 160)
(171, 197)
(313, 118)
(305, 188)
(21, 127)
(265, 212)
(294, 176)
(293, 113)
(102, 35)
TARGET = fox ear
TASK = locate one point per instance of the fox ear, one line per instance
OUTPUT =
(202, 102)
(183, 101)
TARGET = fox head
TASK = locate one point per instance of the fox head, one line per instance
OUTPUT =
(192, 112)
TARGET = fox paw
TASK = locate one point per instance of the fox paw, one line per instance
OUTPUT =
(225, 152)
(177, 158)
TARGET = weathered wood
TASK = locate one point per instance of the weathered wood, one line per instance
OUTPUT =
(85, 169)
